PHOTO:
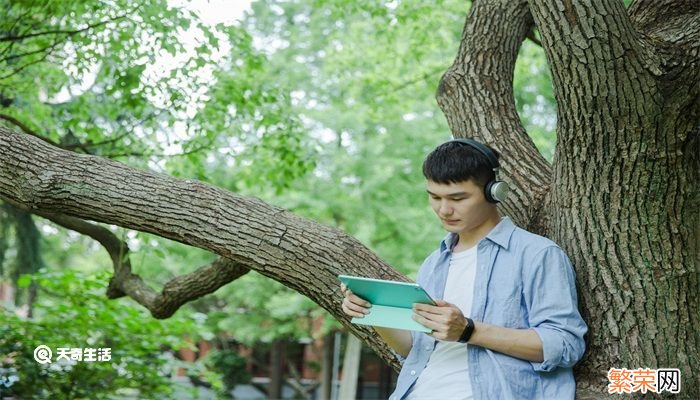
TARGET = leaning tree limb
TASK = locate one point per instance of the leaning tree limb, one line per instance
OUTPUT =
(301, 254)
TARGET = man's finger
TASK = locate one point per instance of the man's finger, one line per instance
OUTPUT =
(426, 322)
(357, 300)
(354, 310)
(427, 308)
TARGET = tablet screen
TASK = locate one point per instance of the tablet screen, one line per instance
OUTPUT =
(387, 293)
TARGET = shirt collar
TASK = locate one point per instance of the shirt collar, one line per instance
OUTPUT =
(500, 235)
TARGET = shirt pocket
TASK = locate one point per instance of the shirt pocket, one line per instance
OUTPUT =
(503, 300)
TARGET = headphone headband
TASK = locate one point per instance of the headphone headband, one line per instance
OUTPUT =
(481, 148)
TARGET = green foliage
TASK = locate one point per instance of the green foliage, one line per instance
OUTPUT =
(59, 47)
(231, 366)
(534, 97)
(368, 79)
(260, 309)
(73, 312)
(117, 79)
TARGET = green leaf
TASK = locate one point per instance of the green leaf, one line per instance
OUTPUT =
(24, 281)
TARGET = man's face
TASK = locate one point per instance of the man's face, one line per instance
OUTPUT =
(460, 206)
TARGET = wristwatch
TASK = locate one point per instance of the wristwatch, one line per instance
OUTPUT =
(467, 333)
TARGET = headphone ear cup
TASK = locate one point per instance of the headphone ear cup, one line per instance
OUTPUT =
(497, 191)
(487, 192)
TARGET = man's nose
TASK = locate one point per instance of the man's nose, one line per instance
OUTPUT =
(445, 209)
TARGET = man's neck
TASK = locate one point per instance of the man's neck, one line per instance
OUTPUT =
(468, 239)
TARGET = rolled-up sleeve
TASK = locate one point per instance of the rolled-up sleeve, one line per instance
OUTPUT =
(549, 289)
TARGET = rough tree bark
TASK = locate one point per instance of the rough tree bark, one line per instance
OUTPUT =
(622, 195)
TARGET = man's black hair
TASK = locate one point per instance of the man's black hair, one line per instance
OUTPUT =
(453, 162)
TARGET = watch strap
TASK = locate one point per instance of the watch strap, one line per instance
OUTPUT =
(468, 330)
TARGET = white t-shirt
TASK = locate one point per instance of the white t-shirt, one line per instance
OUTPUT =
(446, 376)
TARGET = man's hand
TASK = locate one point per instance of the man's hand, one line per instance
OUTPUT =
(353, 305)
(445, 319)
(447, 322)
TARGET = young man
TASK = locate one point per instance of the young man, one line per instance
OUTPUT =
(507, 325)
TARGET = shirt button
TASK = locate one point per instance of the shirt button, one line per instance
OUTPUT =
(427, 347)
(413, 372)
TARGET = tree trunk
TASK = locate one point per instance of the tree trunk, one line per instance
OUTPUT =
(326, 373)
(351, 368)
(629, 224)
(622, 198)
(28, 259)
(274, 389)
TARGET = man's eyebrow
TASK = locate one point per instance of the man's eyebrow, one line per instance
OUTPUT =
(457, 194)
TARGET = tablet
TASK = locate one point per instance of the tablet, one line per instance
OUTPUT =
(392, 302)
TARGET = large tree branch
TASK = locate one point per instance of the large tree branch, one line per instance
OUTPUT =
(301, 254)
(176, 292)
(476, 95)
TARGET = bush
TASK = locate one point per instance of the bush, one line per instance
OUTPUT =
(72, 311)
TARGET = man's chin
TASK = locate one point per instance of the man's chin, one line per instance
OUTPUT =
(452, 228)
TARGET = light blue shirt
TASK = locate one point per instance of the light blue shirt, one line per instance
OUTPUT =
(522, 281)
